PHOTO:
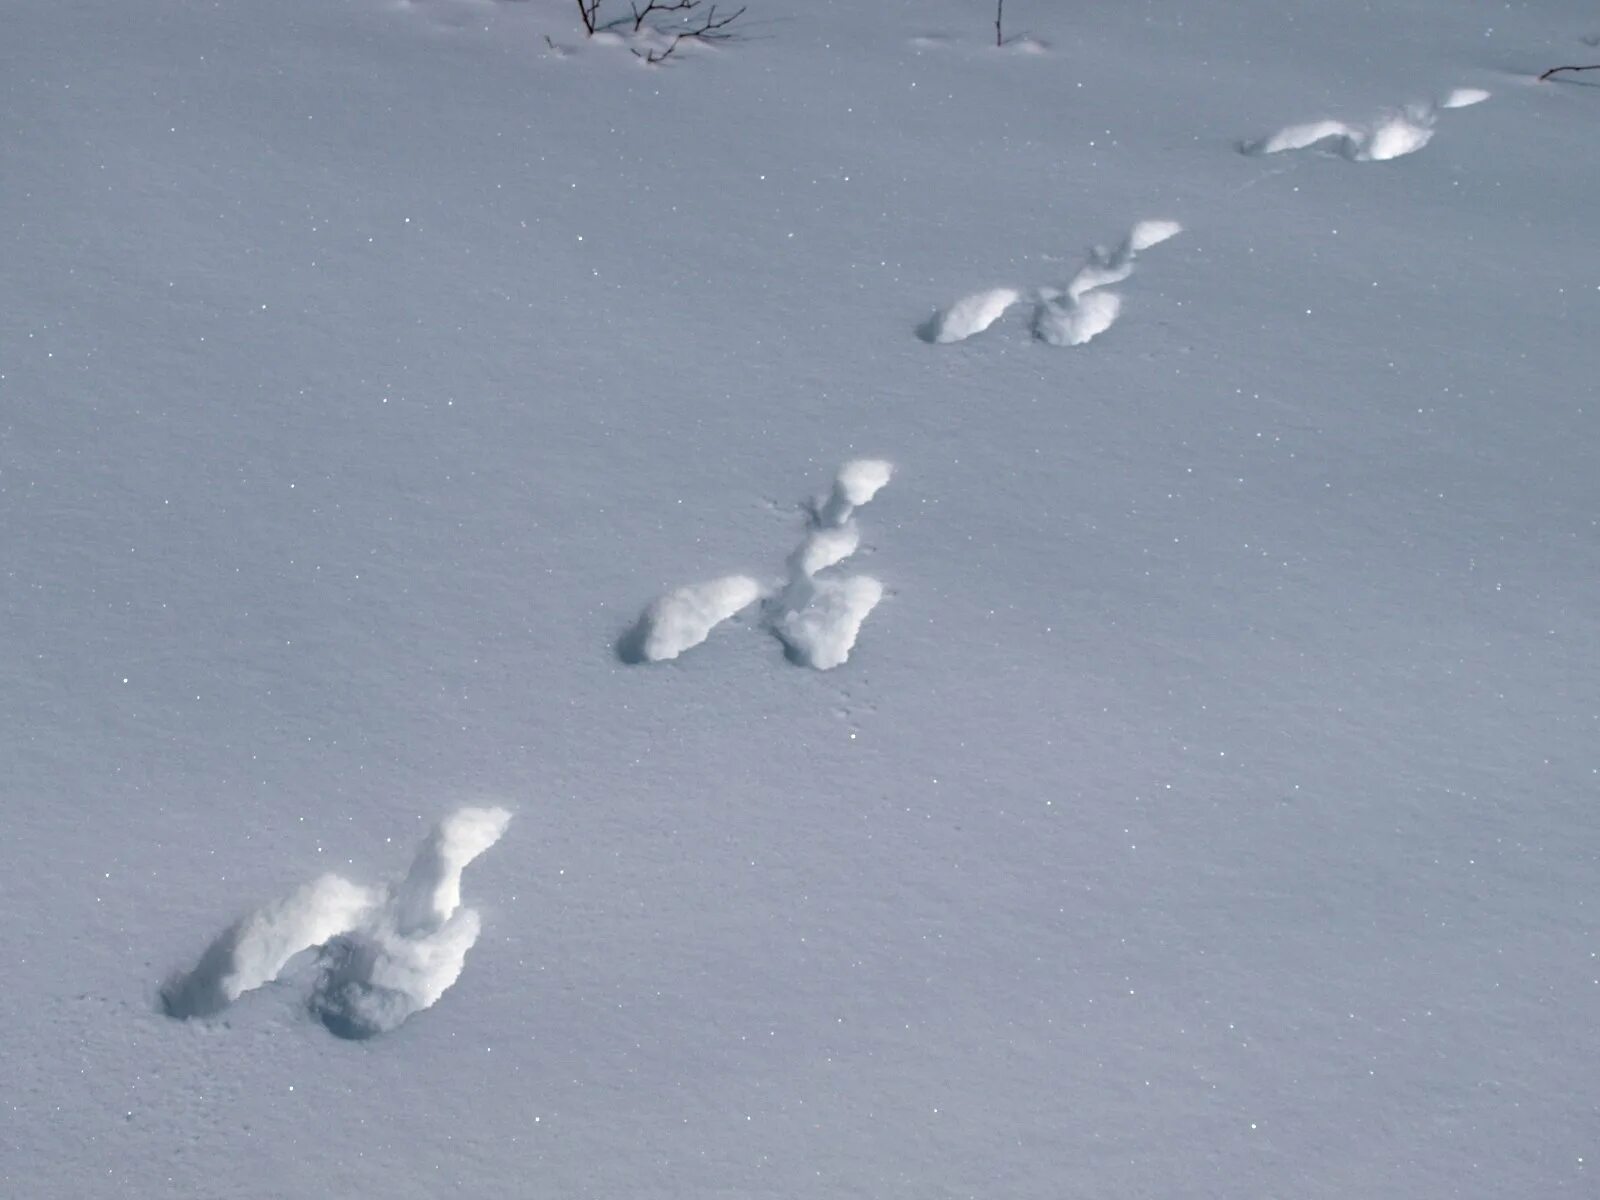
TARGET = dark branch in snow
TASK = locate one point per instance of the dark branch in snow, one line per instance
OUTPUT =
(661, 6)
(1553, 70)
(711, 28)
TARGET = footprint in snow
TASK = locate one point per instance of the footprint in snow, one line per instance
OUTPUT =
(815, 611)
(1391, 135)
(383, 953)
(1071, 315)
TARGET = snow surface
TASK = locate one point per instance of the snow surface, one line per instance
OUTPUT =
(1207, 808)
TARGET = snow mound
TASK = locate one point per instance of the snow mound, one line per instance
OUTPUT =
(1027, 47)
(819, 619)
(819, 627)
(253, 950)
(969, 315)
(1393, 138)
(857, 482)
(1393, 135)
(1093, 275)
(685, 617)
(1073, 324)
(1299, 137)
(1084, 311)
(1151, 233)
(824, 548)
(385, 955)
(431, 890)
(1069, 316)
(414, 948)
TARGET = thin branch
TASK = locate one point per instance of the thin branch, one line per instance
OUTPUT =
(652, 57)
(661, 6)
(586, 13)
(1553, 70)
(999, 14)
(711, 29)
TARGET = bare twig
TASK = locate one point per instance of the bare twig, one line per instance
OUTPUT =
(586, 13)
(712, 28)
(999, 15)
(652, 57)
(1553, 70)
(661, 6)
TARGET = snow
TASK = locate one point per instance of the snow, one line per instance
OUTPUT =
(1179, 780)
(822, 618)
(382, 957)
(819, 619)
(685, 617)
(858, 481)
(969, 315)
(405, 956)
(1464, 98)
(255, 950)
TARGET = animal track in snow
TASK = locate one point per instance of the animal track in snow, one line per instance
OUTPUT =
(967, 316)
(1069, 316)
(817, 616)
(685, 617)
(1392, 135)
(1086, 310)
(384, 953)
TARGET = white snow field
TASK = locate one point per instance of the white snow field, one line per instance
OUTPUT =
(1207, 807)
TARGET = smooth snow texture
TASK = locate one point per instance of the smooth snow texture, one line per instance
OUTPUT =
(969, 315)
(821, 623)
(685, 617)
(1464, 98)
(385, 956)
